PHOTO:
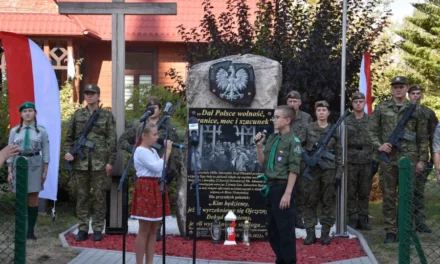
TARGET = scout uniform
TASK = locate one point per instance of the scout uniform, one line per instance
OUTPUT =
(360, 155)
(89, 172)
(302, 119)
(282, 155)
(32, 140)
(419, 188)
(321, 188)
(383, 121)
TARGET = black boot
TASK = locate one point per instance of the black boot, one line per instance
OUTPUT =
(97, 236)
(390, 238)
(363, 224)
(31, 235)
(353, 223)
(81, 236)
(325, 238)
(311, 238)
(423, 228)
(299, 223)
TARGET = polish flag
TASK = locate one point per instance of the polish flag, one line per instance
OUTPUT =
(31, 77)
(365, 82)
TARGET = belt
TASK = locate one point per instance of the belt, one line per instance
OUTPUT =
(276, 182)
(29, 154)
(356, 147)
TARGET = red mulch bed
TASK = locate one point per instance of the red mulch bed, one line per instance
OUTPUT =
(339, 249)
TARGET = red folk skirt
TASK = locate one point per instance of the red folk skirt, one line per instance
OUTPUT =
(147, 200)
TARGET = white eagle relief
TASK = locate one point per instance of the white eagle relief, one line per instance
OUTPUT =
(231, 84)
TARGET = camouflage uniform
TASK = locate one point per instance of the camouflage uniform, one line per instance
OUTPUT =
(90, 173)
(360, 154)
(384, 120)
(321, 188)
(302, 119)
(279, 222)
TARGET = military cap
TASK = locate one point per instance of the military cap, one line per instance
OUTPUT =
(26, 105)
(415, 87)
(357, 95)
(399, 80)
(92, 88)
(293, 95)
(322, 103)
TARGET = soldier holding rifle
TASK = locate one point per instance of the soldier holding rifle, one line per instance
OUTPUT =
(395, 134)
(93, 171)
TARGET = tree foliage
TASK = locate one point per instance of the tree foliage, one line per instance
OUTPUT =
(304, 38)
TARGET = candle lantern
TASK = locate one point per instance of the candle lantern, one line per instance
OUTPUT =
(246, 233)
(216, 231)
(230, 228)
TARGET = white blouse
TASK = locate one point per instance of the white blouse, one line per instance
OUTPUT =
(147, 162)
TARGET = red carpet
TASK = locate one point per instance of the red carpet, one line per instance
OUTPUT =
(339, 249)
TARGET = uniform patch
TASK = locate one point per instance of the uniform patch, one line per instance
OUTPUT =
(297, 150)
(296, 140)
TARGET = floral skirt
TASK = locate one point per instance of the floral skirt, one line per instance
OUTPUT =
(147, 200)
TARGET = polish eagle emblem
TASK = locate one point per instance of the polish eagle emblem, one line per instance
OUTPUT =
(233, 82)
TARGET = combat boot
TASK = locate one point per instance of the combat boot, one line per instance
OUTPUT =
(311, 238)
(81, 236)
(97, 236)
(363, 224)
(299, 223)
(325, 238)
(353, 223)
(390, 238)
(423, 228)
(31, 235)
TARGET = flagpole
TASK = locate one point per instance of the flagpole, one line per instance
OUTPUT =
(341, 201)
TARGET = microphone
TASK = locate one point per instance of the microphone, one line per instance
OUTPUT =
(256, 141)
(167, 107)
(193, 127)
(161, 142)
(147, 114)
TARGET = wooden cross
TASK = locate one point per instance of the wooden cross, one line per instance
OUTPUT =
(118, 9)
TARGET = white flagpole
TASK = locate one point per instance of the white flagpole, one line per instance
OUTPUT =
(341, 199)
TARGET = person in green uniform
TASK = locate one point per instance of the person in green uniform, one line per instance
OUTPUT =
(280, 159)
(324, 182)
(93, 173)
(383, 122)
(302, 119)
(33, 142)
(360, 155)
(128, 139)
(415, 95)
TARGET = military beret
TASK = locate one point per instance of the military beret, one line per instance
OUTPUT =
(293, 95)
(92, 88)
(322, 103)
(399, 80)
(153, 100)
(357, 95)
(415, 87)
(26, 105)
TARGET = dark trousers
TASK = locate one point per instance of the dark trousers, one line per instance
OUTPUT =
(280, 224)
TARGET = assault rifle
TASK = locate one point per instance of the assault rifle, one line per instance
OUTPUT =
(320, 149)
(82, 141)
(399, 133)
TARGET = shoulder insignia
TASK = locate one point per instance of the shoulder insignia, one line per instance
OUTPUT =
(297, 150)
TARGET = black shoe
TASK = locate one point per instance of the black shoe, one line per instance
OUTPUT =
(363, 224)
(97, 236)
(390, 238)
(423, 228)
(299, 223)
(31, 235)
(325, 239)
(353, 223)
(81, 236)
(310, 239)
(158, 236)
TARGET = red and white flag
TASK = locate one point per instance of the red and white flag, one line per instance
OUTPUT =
(31, 77)
(365, 82)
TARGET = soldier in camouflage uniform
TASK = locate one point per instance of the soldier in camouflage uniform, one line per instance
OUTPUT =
(280, 159)
(416, 95)
(302, 119)
(129, 137)
(360, 155)
(94, 171)
(322, 187)
(383, 122)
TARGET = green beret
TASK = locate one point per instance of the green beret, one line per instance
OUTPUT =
(357, 95)
(399, 80)
(294, 95)
(92, 88)
(322, 103)
(415, 87)
(26, 105)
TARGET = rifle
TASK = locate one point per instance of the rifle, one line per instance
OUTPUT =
(82, 141)
(399, 133)
(320, 147)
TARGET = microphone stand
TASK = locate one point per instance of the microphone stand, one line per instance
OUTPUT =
(194, 144)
